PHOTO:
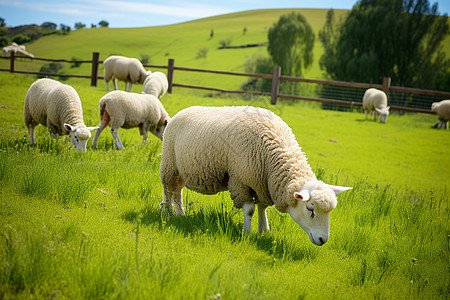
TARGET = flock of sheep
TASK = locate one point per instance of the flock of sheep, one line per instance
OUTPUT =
(247, 150)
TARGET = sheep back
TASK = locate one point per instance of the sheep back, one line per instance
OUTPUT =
(442, 109)
(124, 68)
(374, 98)
(128, 110)
(51, 103)
(156, 84)
(215, 149)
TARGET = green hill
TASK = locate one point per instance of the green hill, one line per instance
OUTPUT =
(181, 42)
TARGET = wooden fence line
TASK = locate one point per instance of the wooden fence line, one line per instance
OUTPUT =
(276, 77)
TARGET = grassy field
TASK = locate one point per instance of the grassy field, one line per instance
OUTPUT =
(87, 225)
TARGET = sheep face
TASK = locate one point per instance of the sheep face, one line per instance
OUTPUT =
(312, 208)
(384, 112)
(79, 136)
(158, 130)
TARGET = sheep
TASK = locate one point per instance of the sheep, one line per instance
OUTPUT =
(123, 68)
(442, 109)
(58, 107)
(375, 101)
(252, 153)
(128, 110)
(156, 84)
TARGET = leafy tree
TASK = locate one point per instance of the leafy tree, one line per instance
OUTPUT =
(401, 39)
(65, 28)
(4, 41)
(79, 25)
(49, 25)
(2, 22)
(103, 23)
(291, 43)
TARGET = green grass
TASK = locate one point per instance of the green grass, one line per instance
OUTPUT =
(87, 225)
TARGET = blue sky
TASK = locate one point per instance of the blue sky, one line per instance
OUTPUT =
(138, 13)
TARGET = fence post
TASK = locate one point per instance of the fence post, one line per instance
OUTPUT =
(170, 69)
(94, 74)
(275, 84)
(387, 85)
(11, 62)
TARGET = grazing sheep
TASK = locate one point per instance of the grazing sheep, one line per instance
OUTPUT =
(252, 153)
(57, 106)
(123, 68)
(128, 110)
(156, 84)
(442, 109)
(375, 101)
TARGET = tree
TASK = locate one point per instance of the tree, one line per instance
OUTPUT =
(291, 43)
(401, 39)
(79, 25)
(103, 23)
(2, 22)
(49, 25)
(64, 28)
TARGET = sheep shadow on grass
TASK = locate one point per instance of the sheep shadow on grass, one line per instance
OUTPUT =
(220, 221)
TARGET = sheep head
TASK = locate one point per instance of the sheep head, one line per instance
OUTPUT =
(311, 210)
(79, 136)
(384, 112)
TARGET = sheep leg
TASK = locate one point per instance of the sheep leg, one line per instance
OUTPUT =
(129, 88)
(365, 113)
(173, 193)
(263, 224)
(115, 83)
(144, 132)
(248, 209)
(107, 86)
(116, 138)
(31, 130)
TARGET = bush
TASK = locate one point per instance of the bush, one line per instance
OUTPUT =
(21, 39)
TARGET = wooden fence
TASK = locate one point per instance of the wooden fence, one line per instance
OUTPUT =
(275, 77)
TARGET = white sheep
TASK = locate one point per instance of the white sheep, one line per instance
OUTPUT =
(123, 68)
(58, 107)
(442, 109)
(375, 101)
(129, 110)
(252, 153)
(156, 84)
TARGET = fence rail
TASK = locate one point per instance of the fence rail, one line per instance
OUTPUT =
(397, 95)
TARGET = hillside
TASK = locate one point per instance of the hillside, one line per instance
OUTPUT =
(181, 42)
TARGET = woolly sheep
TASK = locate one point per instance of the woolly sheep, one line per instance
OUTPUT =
(128, 110)
(58, 107)
(123, 68)
(442, 109)
(375, 101)
(156, 84)
(252, 153)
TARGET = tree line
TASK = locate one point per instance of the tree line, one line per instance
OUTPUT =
(400, 39)
(28, 33)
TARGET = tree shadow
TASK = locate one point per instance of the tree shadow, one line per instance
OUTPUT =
(214, 222)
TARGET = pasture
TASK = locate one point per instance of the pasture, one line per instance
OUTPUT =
(87, 225)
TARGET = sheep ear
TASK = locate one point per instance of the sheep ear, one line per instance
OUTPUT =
(92, 128)
(388, 107)
(69, 127)
(338, 189)
(377, 109)
(303, 195)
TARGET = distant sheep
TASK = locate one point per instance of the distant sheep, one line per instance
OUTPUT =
(252, 153)
(156, 84)
(129, 110)
(57, 106)
(375, 101)
(442, 109)
(123, 68)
